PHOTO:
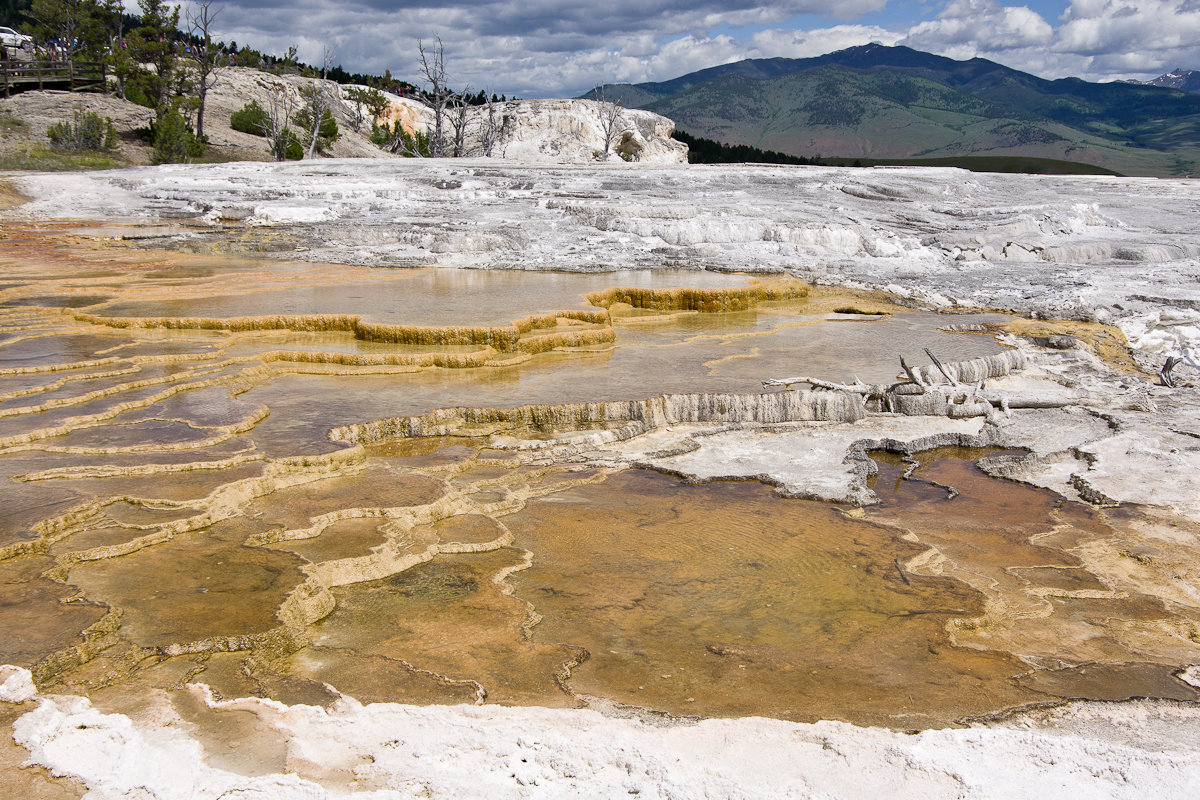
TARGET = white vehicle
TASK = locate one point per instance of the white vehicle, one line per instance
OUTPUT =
(10, 38)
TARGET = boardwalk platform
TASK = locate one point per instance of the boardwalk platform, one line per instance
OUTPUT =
(18, 76)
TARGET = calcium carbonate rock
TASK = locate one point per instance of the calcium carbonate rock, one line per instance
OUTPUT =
(570, 131)
(16, 684)
(556, 131)
(637, 416)
(976, 370)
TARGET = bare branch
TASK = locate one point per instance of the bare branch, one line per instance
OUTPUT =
(490, 124)
(1185, 357)
(912, 376)
(433, 67)
(818, 383)
(280, 107)
(319, 100)
(941, 367)
(609, 113)
(207, 58)
(459, 120)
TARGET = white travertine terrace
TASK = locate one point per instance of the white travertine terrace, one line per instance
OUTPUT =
(1120, 250)
(1115, 250)
(387, 751)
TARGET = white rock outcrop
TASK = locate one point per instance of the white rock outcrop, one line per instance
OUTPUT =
(552, 131)
(570, 131)
(16, 684)
(543, 131)
(387, 751)
(539, 131)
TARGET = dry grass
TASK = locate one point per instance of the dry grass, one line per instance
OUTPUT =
(1108, 342)
(840, 300)
(40, 158)
(740, 298)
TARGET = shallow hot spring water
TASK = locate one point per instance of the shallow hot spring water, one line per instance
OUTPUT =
(177, 512)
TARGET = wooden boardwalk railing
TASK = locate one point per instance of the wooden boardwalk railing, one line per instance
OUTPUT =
(17, 76)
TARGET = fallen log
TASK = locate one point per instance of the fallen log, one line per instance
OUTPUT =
(922, 396)
(818, 383)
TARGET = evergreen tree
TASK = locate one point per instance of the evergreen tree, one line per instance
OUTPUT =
(173, 139)
(154, 44)
(326, 135)
(77, 28)
(13, 13)
(206, 57)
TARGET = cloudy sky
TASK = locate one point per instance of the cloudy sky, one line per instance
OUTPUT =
(551, 48)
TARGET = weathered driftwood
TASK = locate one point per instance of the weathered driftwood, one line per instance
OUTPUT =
(921, 395)
(941, 368)
(912, 376)
(858, 387)
(1171, 363)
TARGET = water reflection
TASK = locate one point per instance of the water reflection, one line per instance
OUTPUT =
(175, 506)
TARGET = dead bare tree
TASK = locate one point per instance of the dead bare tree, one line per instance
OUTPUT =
(459, 119)
(921, 393)
(319, 99)
(365, 103)
(280, 107)
(609, 114)
(208, 57)
(410, 145)
(433, 68)
(490, 125)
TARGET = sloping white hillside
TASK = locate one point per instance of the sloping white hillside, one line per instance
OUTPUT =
(1121, 250)
(546, 131)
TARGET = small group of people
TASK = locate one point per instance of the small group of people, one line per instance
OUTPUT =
(13, 54)
(54, 50)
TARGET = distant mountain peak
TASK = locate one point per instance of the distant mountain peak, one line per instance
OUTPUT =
(890, 101)
(1179, 78)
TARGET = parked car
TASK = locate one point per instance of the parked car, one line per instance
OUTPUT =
(11, 39)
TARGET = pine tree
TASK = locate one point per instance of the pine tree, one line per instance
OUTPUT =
(154, 44)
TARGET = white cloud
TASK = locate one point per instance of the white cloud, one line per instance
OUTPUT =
(1096, 40)
(781, 43)
(1112, 32)
(981, 25)
(554, 47)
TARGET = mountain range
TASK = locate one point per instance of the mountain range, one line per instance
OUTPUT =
(1187, 80)
(878, 102)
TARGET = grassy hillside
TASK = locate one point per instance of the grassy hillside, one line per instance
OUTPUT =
(1018, 164)
(894, 102)
(709, 151)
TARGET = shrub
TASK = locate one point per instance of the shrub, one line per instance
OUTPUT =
(173, 140)
(327, 134)
(397, 140)
(289, 145)
(367, 104)
(136, 94)
(86, 131)
(251, 118)
(10, 123)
